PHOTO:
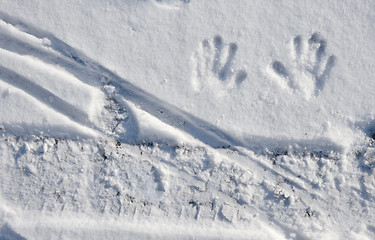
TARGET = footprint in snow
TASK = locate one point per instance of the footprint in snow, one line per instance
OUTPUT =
(214, 68)
(309, 69)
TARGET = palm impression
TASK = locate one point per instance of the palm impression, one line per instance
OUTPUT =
(214, 66)
(309, 68)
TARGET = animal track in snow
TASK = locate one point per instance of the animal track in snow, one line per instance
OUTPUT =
(310, 66)
(214, 65)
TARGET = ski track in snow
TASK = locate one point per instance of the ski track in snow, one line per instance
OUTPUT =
(44, 96)
(310, 67)
(220, 185)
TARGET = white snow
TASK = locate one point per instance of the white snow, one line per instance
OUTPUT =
(187, 119)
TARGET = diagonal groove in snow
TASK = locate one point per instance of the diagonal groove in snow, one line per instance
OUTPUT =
(45, 96)
(277, 173)
(20, 47)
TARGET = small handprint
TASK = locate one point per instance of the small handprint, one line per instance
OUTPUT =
(310, 66)
(213, 65)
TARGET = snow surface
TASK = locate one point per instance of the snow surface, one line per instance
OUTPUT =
(186, 119)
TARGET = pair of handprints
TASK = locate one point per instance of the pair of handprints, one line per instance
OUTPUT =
(306, 72)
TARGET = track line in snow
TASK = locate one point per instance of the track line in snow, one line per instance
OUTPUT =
(44, 96)
(56, 80)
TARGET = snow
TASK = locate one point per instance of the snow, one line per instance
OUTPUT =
(186, 119)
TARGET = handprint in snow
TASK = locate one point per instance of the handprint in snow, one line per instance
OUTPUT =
(214, 66)
(310, 66)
